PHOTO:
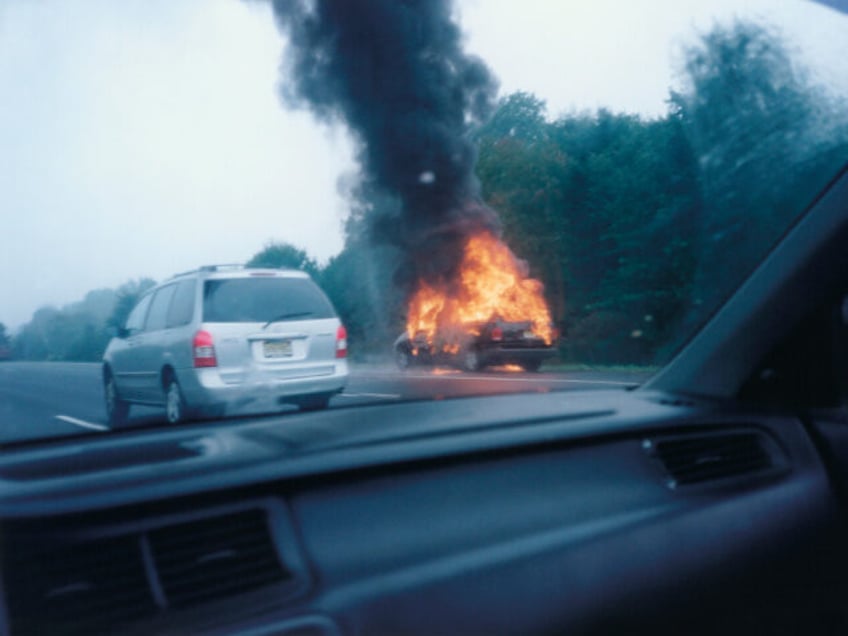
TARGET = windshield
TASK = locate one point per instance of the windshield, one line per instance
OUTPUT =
(487, 197)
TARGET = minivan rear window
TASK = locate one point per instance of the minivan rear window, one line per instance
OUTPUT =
(264, 300)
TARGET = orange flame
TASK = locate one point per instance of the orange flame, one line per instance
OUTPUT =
(493, 284)
(508, 368)
(443, 371)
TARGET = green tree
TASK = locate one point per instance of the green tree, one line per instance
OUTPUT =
(79, 331)
(520, 116)
(127, 296)
(5, 343)
(363, 281)
(284, 255)
(521, 171)
(33, 341)
(764, 137)
(631, 204)
(603, 208)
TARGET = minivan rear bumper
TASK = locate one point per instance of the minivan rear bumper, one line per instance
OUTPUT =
(206, 391)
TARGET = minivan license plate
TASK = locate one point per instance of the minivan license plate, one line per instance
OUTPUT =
(277, 348)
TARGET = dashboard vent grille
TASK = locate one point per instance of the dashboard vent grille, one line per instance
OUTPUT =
(84, 589)
(704, 458)
(218, 556)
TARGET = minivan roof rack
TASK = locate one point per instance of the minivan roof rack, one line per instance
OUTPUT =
(218, 268)
(211, 268)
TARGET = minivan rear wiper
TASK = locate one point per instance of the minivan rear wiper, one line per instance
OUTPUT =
(296, 314)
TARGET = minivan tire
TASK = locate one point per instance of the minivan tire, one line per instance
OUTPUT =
(117, 410)
(314, 402)
(176, 410)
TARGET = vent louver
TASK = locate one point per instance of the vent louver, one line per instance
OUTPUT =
(86, 588)
(709, 457)
(215, 557)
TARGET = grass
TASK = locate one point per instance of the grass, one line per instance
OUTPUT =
(614, 368)
(365, 361)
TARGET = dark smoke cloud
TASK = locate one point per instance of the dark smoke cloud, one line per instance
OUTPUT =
(394, 71)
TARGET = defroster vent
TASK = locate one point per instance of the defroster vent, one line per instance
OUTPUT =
(218, 556)
(699, 458)
(85, 588)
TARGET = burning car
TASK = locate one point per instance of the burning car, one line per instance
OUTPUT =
(496, 342)
(491, 313)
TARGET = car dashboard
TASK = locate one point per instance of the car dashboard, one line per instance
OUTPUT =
(594, 512)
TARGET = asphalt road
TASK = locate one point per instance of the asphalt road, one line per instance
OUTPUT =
(46, 399)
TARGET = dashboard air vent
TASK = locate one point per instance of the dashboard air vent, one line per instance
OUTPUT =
(87, 588)
(691, 460)
(218, 556)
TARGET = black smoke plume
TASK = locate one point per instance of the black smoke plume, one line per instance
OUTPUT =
(394, 71)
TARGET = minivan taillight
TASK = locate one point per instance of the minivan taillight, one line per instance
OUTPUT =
(341, 342)
(203, 350)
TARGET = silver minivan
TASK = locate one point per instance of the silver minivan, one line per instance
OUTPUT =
(225, 340)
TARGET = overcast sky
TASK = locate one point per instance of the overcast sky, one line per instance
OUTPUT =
(145, 137)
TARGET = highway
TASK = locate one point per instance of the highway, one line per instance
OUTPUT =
(47, 399)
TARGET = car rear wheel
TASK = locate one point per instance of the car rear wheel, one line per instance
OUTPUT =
(175, 406)
(402, 359)
(117, 410)
(471, 360)
(531, 365)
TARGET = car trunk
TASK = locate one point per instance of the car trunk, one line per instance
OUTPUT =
(512, 334)
(283, 350)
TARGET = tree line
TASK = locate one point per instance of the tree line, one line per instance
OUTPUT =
(79, 331)
(627, 221)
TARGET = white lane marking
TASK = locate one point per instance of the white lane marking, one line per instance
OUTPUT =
(465, 376)
(384, 396)
(83, 423)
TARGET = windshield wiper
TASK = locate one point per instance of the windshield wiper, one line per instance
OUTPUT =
(296, 314)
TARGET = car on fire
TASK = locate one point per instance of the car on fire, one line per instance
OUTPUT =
(493, 343)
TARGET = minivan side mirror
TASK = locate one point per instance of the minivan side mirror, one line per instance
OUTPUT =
(123, 332)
